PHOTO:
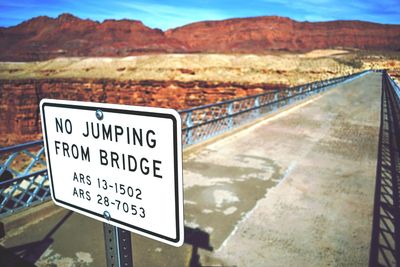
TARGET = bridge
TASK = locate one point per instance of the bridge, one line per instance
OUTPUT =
(306, 176)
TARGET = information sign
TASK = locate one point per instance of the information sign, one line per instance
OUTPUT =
(118, 164)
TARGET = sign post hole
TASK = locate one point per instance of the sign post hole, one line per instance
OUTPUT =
(121, 165)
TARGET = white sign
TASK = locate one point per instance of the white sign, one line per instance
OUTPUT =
(118, 164)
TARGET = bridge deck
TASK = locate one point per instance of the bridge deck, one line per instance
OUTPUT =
(323, 156)
(293, 190)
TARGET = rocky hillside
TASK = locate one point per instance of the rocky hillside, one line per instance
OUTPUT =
(255, 35)
(44, 37)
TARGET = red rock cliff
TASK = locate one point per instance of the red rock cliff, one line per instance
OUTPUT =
(276, 33)
(43, 37)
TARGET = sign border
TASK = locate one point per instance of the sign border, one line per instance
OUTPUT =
(128, 111)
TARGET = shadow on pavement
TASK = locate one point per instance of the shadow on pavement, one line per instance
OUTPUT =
(28, 254)
(385, 242)
(198, 239)
(8, 259)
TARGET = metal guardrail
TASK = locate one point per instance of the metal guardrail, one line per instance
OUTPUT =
(23, 177)
(23, 171)
(204, 122)
(385, 241)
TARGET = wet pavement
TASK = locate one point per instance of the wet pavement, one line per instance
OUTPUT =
(293, 190)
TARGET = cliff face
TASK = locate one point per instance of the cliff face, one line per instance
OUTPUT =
(19, 100)
(276, 33)
(43, 37)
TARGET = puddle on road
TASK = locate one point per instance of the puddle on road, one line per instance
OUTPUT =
(217, 208)
(212, 170)
(49, 258)
(215, 204)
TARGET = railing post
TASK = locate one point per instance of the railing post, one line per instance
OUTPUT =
(189, 124)
(230, 113)
(256, 106)
(300, 96)
(289, 97)
(321, 86)
(276, 98)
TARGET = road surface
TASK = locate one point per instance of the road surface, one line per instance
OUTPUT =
(293, 190)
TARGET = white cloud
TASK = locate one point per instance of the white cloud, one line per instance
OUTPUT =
(315, 18)
(171, 16)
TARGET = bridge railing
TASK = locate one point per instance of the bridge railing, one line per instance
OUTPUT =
(23, 171)
(23, 177)
(385, 241)
(203, 122)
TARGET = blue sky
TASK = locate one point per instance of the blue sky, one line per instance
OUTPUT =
(171, 13)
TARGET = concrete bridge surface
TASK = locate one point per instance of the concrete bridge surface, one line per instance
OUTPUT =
(295, 189)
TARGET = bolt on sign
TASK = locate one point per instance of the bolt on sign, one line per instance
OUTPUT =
(119, 164)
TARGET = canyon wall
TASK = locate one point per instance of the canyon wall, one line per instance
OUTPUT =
(256, 35)
(43, 37)
(19, 99)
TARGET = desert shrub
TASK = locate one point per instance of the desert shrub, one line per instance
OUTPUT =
(351, 62)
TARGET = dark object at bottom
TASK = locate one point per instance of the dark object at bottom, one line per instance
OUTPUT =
(198, 239)
(2, 230)
(8, 259)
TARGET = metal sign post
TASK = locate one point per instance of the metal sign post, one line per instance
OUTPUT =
(118, 246)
